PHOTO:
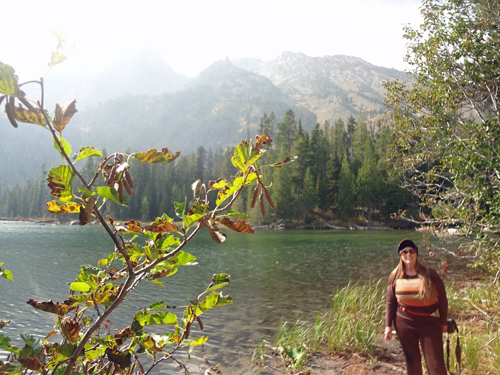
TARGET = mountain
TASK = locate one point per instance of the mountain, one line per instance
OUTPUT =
(219, 107)
(331, 87)
(138, 102)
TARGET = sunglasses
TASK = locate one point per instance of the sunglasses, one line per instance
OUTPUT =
(411, 251)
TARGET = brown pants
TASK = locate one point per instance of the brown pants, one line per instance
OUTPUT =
(428, 332)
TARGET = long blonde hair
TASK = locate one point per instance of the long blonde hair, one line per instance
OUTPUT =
(427, 289)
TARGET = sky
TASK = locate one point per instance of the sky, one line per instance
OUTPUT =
(192, 34)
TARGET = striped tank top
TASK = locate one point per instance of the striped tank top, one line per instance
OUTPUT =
(406, 291)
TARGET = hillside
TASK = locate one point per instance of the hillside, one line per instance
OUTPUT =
(331, 87)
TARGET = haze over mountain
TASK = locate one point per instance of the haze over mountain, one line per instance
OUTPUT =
(139, 102)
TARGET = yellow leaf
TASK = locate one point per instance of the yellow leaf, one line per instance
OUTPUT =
(24, 115)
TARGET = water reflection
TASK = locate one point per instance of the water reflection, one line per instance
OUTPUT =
(275, 276)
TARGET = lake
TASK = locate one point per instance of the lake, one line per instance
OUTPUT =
(276, 276)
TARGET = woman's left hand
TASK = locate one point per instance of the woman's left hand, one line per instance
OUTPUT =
(445, 329)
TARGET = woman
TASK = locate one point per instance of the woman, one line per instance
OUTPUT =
(418, 307)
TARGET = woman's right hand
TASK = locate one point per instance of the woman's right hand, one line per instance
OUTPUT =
(388, 333)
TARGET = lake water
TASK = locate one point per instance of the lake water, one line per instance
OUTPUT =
(275, 276)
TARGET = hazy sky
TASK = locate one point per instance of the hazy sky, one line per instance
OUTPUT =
(190, 35)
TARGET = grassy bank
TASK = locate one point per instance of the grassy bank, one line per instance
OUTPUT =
(355, 321)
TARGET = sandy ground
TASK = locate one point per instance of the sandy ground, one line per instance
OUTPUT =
(390, 362)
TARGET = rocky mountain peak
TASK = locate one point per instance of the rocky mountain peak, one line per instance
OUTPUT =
(330, 86)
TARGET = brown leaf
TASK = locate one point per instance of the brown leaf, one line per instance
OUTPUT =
(268, 196)
(85, 216)
(70, 329)
(261, 202)
(288, 160)
(131, 225)
(50, 334)
(51, 307)
(62, 115)
(30, 363)
(10, 110)
(161, 227)
(124, 360)
(217, 236)
(255, 193)
(240, 226)
(262, 140)
(155, 156)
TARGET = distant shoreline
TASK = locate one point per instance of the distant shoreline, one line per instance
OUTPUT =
(39, 220)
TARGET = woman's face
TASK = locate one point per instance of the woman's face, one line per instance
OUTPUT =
(409, 257)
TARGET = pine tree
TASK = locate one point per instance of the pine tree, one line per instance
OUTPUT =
(281, 192)
(339, 140)
(351, 125)
(360, 136)
(368, 181)
(309, 196)
(302, 150)
(346, 196)
(286, 131)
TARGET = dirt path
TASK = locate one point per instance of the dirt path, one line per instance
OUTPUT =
(390, 362)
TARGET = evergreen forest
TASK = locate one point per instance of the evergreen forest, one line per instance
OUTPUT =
(340, 176)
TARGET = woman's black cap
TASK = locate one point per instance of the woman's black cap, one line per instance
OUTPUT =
(406, 243)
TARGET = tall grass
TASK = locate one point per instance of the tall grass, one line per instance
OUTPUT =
(354, 320)
(352, 324)
(477, 312)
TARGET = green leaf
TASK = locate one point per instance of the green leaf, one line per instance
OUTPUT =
(59, 181)
(57, 58)
(190, 219)
(199, 341)
(151, 252)
(86, 272)
(237, 214)
(237, 184)
(155, 156)
(145, 318)
(33, 342)
(8, 81)
(4, 344)
(85, 192)
(65, 145)
(66, 349)
(160, 305)
(211, 301)
(180, 209)
(80, 287)
(10, 368)
(86, 152)
(245, 154)
(166, 242)
(111, 193)
(7, 275)
(218, 281)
